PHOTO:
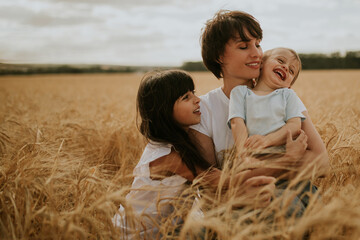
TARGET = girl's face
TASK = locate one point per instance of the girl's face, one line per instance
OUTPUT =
(279, 69)
(187, 110)
(241, 59)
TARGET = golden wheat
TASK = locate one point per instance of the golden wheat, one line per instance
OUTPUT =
(68, 144)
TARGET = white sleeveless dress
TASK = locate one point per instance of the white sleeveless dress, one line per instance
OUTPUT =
(148, 197)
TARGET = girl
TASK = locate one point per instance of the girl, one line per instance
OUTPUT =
(167, 106)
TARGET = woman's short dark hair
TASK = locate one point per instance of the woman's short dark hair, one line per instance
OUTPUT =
(225, 25)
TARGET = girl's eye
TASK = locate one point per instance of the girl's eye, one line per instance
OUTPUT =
(185, 97)
(280, 61)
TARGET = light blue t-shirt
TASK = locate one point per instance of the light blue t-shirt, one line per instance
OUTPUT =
(264, 114)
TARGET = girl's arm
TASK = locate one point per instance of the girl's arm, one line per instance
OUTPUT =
(172, 164)
(256, 191)
(239, 132)
(169, 165)
(276, 138)
(205, 145)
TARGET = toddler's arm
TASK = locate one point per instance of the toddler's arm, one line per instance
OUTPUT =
(239, 132)
(275, 138)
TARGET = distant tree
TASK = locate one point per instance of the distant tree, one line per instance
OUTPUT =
(193, 66)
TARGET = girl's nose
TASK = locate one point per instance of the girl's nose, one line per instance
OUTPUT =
(196, 99)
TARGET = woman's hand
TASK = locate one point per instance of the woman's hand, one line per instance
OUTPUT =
(295, 149)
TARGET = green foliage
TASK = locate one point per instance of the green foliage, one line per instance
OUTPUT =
(332, 61)
(309, 61)
(22, 69)
(193, 66)
(351, 60)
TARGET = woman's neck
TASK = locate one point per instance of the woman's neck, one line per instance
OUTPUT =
(229, 84)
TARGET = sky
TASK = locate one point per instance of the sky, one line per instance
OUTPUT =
(162, 32)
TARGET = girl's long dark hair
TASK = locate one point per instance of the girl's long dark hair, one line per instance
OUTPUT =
(157, 94)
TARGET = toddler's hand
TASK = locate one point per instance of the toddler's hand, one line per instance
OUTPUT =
(256, 142)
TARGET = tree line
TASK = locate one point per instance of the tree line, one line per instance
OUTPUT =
(335, 60)
(351, 60)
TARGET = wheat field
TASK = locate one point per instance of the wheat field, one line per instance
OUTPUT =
(68, 144)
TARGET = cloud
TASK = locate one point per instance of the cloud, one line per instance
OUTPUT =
(45, 18)
(161, 31)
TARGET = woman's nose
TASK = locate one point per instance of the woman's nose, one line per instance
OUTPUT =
(256, 52)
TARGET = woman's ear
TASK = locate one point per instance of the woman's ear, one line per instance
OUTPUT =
(261, 64)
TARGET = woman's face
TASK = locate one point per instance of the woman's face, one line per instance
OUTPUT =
(241, 59)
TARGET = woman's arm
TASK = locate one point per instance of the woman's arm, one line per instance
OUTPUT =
(313, 162)
(316, 157)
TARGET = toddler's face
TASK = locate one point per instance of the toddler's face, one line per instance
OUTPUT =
(280, 68)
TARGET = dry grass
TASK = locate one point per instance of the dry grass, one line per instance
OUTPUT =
(68, 144)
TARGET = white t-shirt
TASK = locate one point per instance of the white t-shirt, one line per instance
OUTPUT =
(264, 114)
(214, 107)
(146, 193)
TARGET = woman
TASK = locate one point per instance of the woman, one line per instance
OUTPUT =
(231, 51)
